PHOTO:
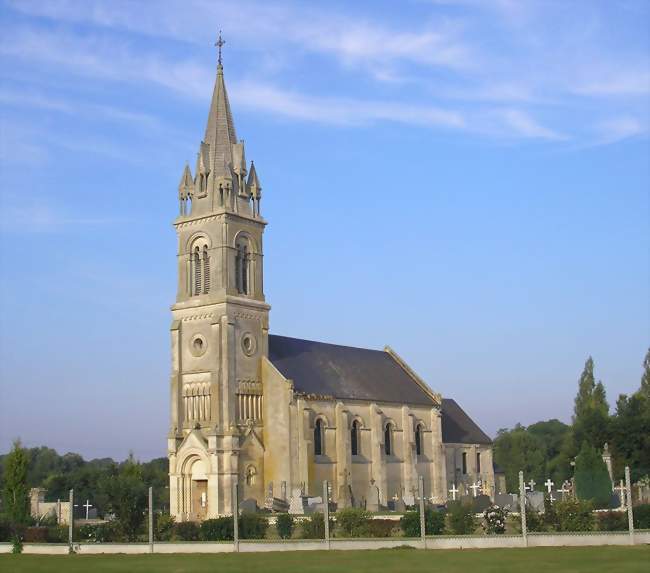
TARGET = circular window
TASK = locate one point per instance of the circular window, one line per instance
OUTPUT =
(198, 345)
(248, 344)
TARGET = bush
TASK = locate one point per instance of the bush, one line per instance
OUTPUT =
(57, 534)
(549, 519)
(353, 522)
(534, 521)
(35, 535)
(187, 531)
(285, 525)
(5, 530)
(314, 526)
(641, 515)
(494, 520)
(612, 521)
(434, 523)
(163, 526)
(252, 526)
(381, 527)
(461, 518)
(219, 529)
(99, 533)
(574, 515)
(592, 478)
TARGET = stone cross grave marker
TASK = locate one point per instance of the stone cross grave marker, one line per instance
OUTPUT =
(621, 491)
(532, 483)
(474, 487)
(549, 485)
(453, 491)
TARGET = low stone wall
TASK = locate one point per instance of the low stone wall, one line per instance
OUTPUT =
(340, 544)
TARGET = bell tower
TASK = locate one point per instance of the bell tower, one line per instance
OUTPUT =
(219, 326)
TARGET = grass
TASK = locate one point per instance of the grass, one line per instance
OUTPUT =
(532, 560)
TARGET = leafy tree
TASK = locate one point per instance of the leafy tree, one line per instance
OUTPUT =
(15, 490)
(516, 450)
(127, 497)
(645, 379)
(592, 478)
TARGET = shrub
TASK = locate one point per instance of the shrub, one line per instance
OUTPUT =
(494, 520)
(285, 525)
(381, 527)
(163, 527)
(642, 516)
(549, 519)
(187, 531)
(252, 526)
(35, 535)
(353, 522)
(5, 530)
(461, 518)
(57, 534)
(534, 521)
(434, 523)
(219, 529)
(314, 526)
(612, 521)
(574, 515)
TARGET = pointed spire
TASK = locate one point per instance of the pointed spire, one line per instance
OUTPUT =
(220, 130)
(186, 184)
(254, 182)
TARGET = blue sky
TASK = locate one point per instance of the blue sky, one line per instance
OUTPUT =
(465, 181)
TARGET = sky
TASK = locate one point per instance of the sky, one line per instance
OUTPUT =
(466, 181)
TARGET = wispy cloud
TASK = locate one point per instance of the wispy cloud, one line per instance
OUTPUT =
(619, 128)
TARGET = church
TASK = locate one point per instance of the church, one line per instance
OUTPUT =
(273, 415)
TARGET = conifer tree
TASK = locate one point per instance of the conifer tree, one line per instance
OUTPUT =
(592, 478)
(645, 378)
(15, 491)
(591, 412)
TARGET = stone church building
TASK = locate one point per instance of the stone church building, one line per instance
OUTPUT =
(276, 414)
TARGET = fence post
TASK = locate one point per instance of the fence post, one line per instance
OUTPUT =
(423, 532)
(630, 515)
(71, 520)
(235, 515)
(151, 520)
(326, 512)
(522, 508)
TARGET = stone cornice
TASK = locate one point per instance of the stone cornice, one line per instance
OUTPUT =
(183, 222)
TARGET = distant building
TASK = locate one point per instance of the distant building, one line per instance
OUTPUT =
(278, 415)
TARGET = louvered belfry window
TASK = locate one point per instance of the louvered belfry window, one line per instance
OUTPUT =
(206, 270)
(197, 271)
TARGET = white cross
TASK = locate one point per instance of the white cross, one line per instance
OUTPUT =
(621, 489)
(532, 483)
(549, 485)
(474, 487)
(453, 491)
(563, 490)
(87, 506)
(550, 496)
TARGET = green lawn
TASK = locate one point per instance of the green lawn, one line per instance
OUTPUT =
(555, 560)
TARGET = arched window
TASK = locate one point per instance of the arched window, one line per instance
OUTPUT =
(388, 440)
(478, 462)
(354, 438)
(418, 440)
(242, 266)
(318, 438)
(197, 270)
(206, 270)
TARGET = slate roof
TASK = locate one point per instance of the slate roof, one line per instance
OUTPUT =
(344, 372)
(458, 427)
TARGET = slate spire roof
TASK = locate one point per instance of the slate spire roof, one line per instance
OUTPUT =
(220, 132)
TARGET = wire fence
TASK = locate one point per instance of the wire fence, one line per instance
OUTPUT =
(535, 509)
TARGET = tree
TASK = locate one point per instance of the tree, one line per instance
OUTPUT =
(591, 410)
(15, 491)
(592, 478)
(127, 497)
(645, 379)
(518, 450)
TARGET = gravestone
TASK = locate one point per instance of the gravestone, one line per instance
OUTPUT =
(535, 500)
(399, 505)
(297, 503)
(480, 503)
(507, 501)
(408, 500)
(248, 506)
(283, 490)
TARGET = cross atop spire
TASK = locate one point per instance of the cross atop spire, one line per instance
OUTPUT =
(219, 43)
